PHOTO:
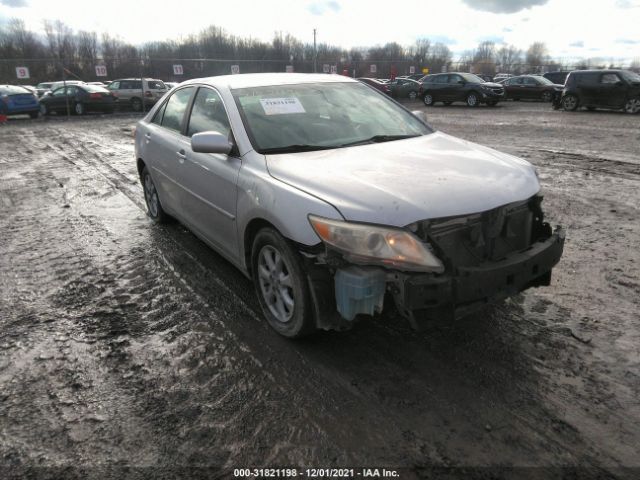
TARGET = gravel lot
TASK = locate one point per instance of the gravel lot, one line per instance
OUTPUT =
(129, 349)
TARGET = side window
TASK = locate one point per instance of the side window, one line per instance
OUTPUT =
(72, 90)
(609, 78)
(454, 78)
(441, 79)
(157, 118)
(114, 86)
(174, 111)
(208, 114)
(58, 92)
(529, 81)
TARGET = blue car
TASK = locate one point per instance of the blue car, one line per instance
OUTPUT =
(15, 100)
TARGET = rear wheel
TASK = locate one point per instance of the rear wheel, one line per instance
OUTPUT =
(546, 96)
(281, 285)
(472, 99)
(570, 103)
(413, 95)
(78, 109)
(428, 99)
(154, 207)
(632, 105)
(136, 104)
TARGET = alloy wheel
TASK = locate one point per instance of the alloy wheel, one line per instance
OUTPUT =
(632, 105)
(276, 283)
(151, 196)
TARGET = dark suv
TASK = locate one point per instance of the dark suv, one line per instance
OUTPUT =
(460, 87)
(612, 89)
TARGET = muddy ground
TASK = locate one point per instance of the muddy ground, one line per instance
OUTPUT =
(129, 349)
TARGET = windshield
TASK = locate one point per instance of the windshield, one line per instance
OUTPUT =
(316, 116)
(630, 76)
(471, 78)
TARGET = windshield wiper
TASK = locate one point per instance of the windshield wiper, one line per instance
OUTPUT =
(296, 148)
(378, 139)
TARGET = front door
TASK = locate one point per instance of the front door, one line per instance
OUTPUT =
(210, 180)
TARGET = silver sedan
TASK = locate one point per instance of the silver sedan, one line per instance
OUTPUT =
(333, 198)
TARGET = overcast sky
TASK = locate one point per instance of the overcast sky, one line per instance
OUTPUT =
(570, 28)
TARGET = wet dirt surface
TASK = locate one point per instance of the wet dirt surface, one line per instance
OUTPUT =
(130, 349)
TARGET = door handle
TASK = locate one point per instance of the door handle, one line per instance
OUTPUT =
(147, 136)
(181, 156)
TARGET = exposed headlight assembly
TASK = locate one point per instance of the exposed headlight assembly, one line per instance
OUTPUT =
(376, 245)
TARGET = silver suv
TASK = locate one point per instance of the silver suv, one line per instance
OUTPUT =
(129, 91)
(335, 199)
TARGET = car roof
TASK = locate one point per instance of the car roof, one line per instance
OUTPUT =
(247, 80)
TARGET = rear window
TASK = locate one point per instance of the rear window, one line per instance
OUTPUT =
(586, 78)
(95, 88)
(12, 90)
(156, 85)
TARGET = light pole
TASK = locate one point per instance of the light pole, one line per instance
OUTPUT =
(315, 52)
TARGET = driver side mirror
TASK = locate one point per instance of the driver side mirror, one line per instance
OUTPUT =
(211, 142)
(420, 114)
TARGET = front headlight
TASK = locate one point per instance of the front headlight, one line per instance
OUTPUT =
(372, 244)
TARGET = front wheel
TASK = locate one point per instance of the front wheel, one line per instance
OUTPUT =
(570, 103)
(281, 285)
(79, 109)
(428, 99)
(154, 207)
(472, 99)
(632, 105)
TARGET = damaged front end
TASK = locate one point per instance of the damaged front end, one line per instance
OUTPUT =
(467, 261)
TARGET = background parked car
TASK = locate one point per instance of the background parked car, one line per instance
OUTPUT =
(416, 76)
(405, 88)
(557, 77)
(16, 100)
(486, 78)
(80, 98)
(62, 83)
(460, 87)
(530, 87)
(171, 85)
(500, 77)
(43, 88)
(129, 91)
(377, 84)
(611, 89)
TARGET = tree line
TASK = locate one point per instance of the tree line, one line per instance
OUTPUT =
(213, 51)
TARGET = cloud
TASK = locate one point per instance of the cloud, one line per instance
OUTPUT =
(627, 41)
(628, 4)
(319, 8)
(14, 3)
(442, 39)
(503, 6)
(577, 43)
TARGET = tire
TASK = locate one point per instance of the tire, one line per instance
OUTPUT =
(632, 106)
(428, 99)
(136, 104)
(413, 95)
(34, 115)
(473, 100)
(547, 96)
(44, 110)
(78, 108)
(154, 207)
(570, 103)
(281, 285)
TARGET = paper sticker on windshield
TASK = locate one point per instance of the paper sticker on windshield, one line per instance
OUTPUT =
(281, 106)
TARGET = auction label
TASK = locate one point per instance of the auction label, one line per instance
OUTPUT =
(315, 473)
(280, 106)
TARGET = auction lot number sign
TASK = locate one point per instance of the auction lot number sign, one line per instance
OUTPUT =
(22, 72)
(177, 70)
(101, 71)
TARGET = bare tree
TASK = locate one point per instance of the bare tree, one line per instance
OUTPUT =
(508, 57)
(537, 54)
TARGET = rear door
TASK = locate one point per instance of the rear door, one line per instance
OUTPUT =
(210, 180)
(455, 88)
(438, 87)
(530, 88)
(588, 87)
(165, 147)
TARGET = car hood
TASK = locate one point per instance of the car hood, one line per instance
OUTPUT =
(403, 181)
